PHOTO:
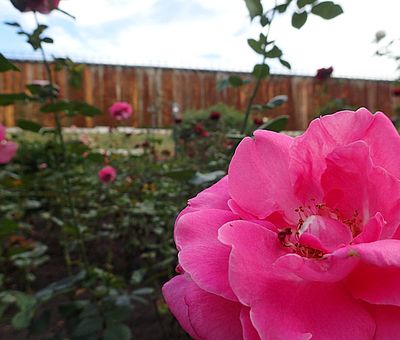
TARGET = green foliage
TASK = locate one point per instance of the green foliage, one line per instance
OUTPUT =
(230, 117)
(12, 98)
(74, 71)
(260, 71)
(6, 65)
(71, 108)
(275, 102)
(327, 9)
(254, 7)
(299, 19)
(28, 125)
(35, 39)
(277, 124)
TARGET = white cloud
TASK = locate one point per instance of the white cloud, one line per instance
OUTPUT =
(209, 33)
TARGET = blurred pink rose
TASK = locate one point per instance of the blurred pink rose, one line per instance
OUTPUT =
(120, 110)
(7, 149)
(300, 240)
(107, 174)
(85, 139)
(41, 6)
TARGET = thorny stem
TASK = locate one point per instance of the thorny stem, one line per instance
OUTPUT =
(259, 78)
(66, 178)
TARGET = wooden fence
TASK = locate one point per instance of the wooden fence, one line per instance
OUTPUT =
(152, 92)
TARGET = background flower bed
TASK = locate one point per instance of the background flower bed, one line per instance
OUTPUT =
(126, 225)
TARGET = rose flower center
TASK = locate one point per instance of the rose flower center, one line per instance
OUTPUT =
(319, 231)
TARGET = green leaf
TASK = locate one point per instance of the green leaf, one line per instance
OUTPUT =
(235, 81)
(12, 98)
(26, 305)
(282, 8)
(275, 52)
(48, 40)
(260, 71)
(285, 63)
(303, 3)
(14, 24)
(256, 46)
(201, 179)
(40, 324)
(277, 124)
(254, 7)
(181, 174)
(264, 21)
(222, 85)
(88, 326)
(59, 287)
(7, 227)
(327, 10)
(299, 19)
(71, 108)
(6, 65)
(118, 331)
(22, 319)
(117, 313)
(28, 125)
(275, 102)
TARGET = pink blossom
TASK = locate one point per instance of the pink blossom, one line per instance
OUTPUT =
(107, 174)
(41, 6)
(300, 240)
(7, 149)
(120, 110)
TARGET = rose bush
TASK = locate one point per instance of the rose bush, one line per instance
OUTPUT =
(41, 6)
(300, 240)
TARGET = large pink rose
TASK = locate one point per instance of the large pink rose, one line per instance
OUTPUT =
(7, 149)
(299, 241)
(42, 6)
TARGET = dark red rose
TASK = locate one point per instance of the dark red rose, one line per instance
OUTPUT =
(215, 115)
(324, 73)
(41, 6)
(200, 130)
(396, 92)
(257, 121)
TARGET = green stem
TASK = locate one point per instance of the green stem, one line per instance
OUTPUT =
(66, 178)
(250, 102)
(258, 80)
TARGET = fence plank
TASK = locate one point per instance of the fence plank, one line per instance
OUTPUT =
(152, 91)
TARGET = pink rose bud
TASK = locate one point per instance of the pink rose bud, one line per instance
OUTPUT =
(107, 174)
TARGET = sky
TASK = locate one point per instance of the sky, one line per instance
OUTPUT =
(208, 34)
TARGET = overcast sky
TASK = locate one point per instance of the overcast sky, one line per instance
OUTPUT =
(209, 34)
